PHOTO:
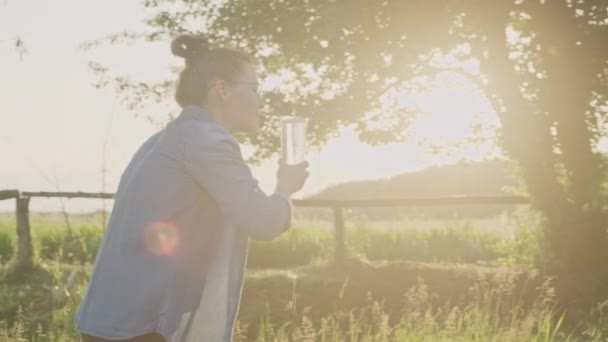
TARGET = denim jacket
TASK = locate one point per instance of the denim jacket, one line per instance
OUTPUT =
(172, 257)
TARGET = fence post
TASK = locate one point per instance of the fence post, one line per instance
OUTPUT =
(24, 239)
(339, 235)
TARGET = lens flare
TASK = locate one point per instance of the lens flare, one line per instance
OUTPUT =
(161, 238)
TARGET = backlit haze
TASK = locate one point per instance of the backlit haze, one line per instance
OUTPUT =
(58, 132)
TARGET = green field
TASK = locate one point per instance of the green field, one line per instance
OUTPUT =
(403, 280)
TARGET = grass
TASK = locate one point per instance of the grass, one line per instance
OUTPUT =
(454, 240)
(406, 280)
(398, 301)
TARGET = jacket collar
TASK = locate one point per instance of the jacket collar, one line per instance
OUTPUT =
(196, 112)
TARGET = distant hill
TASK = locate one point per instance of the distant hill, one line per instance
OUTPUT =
(485, 178)
(464, 178)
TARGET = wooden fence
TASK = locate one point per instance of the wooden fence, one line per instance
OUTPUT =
(24, 241)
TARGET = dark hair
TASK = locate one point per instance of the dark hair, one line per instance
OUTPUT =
(203, 65)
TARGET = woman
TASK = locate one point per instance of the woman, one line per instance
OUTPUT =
(171, 263)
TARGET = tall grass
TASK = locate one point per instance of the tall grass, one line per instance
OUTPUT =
(491, 315)
(416, 240)
(41, 307)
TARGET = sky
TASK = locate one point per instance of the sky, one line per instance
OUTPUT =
(59, 132)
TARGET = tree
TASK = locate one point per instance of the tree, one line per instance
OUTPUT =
(542, 64)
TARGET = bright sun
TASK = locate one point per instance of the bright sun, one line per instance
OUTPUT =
(455, 114)
(455, 122)
(452, 116)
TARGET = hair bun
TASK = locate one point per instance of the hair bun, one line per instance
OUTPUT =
(189, 47)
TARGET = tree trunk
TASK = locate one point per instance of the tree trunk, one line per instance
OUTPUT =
(577, 234)
(562, 172)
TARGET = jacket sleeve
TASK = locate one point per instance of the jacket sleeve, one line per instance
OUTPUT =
(218, 167)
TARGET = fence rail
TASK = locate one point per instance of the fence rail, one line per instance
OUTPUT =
(24, 243)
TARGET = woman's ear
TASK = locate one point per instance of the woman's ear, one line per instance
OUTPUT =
(222, 89)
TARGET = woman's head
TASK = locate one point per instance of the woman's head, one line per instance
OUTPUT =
(223, 81)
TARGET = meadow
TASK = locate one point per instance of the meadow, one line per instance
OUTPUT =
(416, 279)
